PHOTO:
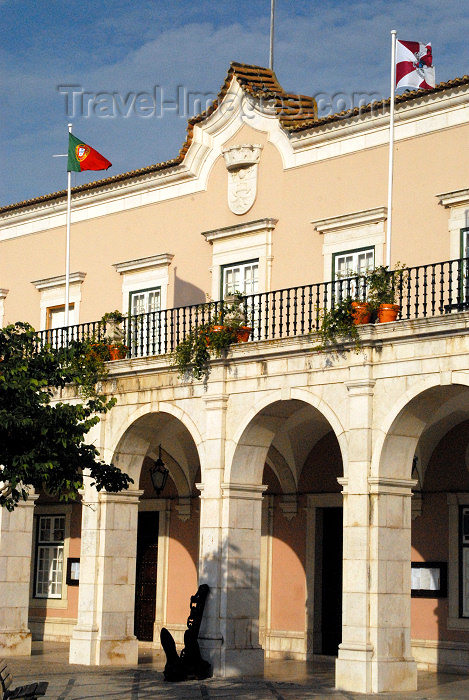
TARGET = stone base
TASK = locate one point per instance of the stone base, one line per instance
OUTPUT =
(243, 662)
(284, 644)
(441, 656)
(15, 643)
(231, 663)
(87, 648)
(375, 676)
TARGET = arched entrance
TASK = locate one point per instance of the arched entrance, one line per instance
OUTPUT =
(139, 537)
(289, 452)
(408, 446)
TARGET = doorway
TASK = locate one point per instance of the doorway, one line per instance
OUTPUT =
(331, 580)
(145, 578)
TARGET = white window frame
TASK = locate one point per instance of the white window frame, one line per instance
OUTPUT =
(354, 269)
(50, 603)
(145, 273)
(243, 267)
(49, 545)
(458, 204)
(239, 244)
(142, 323)
(358, 230)
(52, 291)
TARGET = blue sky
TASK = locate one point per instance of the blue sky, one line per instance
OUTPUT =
(129, 47)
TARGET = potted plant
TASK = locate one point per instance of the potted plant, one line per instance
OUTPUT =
(112, 321)
(361, 312)
(338, 322)
(112, 346)
(235, 317)
(192, 354)
(383, 287)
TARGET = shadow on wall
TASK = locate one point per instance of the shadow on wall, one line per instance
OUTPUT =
(186, 293)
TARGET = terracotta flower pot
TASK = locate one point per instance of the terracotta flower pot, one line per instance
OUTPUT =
(213, 329)
(388, 312)
(361, 312)
(117, 352)
(243, 334)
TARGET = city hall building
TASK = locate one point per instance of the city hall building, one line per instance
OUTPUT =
(322, 495)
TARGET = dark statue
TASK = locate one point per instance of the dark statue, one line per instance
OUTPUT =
(190, 665)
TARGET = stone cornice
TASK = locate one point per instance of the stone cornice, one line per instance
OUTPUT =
(391, 486)
(457, 198)
(240, 229)
(244, 491)
(144, 263)
(346, 221)
(59, 281)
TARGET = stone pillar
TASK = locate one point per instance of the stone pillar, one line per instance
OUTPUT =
(375, 559)
(229, 557)
(15, 571)
(210, 536)
(104, 634)
(392, 665)
(239, 609)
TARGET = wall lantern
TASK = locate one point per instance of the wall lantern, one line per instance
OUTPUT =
(416, 474)
(159, 474)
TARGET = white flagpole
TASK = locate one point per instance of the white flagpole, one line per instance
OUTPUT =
(391, 147)
(272, 21)
(67, 251)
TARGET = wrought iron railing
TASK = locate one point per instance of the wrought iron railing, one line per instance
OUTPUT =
(422, 291)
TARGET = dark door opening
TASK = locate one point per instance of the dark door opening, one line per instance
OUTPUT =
(145, 579)
(331, 603)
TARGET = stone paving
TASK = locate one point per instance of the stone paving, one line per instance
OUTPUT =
(285, 680)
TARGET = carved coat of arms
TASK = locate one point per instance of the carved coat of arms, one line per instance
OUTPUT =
(242, 162)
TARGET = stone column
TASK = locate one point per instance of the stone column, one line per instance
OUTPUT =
(210, 536)
(229, 557)
(374, 655)
(392, 665)
(15, 571)
(104, 634)
(239, 605)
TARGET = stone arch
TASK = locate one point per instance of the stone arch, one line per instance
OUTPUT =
(282, 470)
(145, 430)
(424, 413)
(254, 437)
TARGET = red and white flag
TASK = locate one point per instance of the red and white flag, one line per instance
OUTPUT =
(414, 65)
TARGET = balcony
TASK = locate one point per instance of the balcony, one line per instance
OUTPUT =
(426, 291)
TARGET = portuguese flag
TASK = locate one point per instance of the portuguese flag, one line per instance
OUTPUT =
(83, 157)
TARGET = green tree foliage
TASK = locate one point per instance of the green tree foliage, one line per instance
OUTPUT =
(42, 438)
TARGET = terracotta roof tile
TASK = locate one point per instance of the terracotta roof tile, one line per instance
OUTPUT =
(295, 112)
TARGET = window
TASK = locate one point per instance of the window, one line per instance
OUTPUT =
(52, 291)
(353, 262)
(49, 556)
(145, 301)
(242, 277)
(56, 316)
(144, 328)
(359, 236)
(350, 264)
